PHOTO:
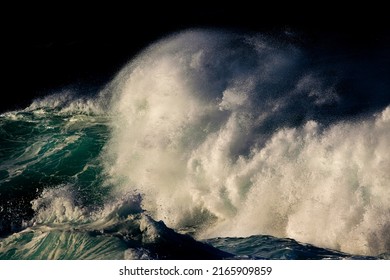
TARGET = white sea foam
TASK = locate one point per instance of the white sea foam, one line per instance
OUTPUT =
(57, 206)
(67, 102)
(214, 130)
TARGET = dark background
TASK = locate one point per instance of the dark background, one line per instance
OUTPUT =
(47, 48)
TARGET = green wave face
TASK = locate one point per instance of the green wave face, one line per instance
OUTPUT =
(46, 148)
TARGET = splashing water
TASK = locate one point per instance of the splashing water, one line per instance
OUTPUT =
(217, 134)
(206, 128)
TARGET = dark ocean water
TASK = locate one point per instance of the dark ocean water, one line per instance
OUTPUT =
(205, 146)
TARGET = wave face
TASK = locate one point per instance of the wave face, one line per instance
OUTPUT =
(56, 141)
(218, 135)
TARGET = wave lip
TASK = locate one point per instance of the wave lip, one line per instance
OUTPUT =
(62, 230)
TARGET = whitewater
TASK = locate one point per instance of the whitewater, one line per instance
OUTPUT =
(207, 145)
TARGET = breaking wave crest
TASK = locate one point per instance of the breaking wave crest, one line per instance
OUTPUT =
(227, 135)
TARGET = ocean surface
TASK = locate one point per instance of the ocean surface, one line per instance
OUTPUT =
(207, 145)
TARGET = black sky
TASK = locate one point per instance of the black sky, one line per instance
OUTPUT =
(49, 48)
